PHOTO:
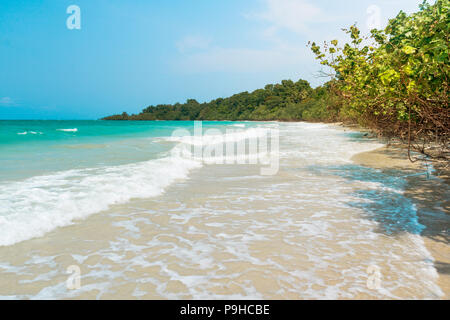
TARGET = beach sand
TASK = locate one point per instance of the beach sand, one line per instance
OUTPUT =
(426, 194)
(229, 233)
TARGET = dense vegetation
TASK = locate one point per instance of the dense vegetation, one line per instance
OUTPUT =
(394, 81)
(287, 101)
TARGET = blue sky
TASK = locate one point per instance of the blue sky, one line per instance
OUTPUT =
(129, 54)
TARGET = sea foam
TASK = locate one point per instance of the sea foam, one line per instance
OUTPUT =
(38, 205)
(35, 206)
(68, 130)
(214, 136)
(28, 132)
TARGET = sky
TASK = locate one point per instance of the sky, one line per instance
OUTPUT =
(124, 55)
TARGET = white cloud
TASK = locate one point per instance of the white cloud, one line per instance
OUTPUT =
(192, 42)
(242, 60)
(279, 32)
(291, 15)
(274, 54)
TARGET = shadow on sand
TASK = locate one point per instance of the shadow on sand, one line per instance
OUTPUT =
(399, 201)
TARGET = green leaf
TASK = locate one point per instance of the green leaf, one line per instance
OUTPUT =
(409, 49)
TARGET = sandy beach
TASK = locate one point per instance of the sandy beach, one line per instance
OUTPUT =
(312, 231)
(426, 193)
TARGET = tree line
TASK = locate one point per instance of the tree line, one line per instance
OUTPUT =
(285, 101)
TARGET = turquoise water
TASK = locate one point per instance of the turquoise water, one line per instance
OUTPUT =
(54, 172)
(30, 148)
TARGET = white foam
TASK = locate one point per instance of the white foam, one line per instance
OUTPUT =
(233, 135)
(68, 130)
(35, 206)
(318, 143)
(310, 212)
(28, 132)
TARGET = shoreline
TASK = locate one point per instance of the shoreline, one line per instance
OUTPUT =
(425, 194)
(240, 238)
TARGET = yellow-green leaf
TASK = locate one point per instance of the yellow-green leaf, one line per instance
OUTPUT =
(409, 49)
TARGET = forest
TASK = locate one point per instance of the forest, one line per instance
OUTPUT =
(394, 81)
(287, 101)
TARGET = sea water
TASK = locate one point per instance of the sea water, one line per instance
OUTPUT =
(52, 172)
(144, 222)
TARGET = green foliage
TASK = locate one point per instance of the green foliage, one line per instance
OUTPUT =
(286, 101)
(396, 78)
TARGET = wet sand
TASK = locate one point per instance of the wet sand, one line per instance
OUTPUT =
(229, 233)
(427, 193)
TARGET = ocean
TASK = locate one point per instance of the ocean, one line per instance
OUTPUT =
(52, 172)
(141, 217)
